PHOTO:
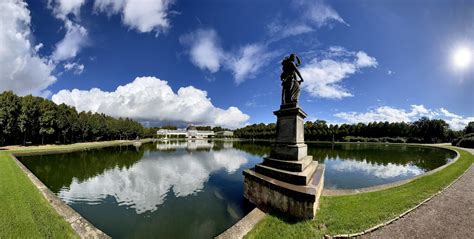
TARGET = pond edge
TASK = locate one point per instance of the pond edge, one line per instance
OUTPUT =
(85, 229)
(239, 231)
(243, 226)
(81, 226)
(344, 192)
(376, 227)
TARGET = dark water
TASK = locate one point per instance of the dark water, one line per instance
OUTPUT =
(193, 189)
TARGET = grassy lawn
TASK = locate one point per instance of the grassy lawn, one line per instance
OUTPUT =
(24, 212)
(354, 213)
(72, 147)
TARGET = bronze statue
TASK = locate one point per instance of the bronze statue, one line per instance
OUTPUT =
(290, 83)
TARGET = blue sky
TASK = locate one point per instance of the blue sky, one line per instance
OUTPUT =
(218, 62)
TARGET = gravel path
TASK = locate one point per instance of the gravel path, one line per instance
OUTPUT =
(448, 215)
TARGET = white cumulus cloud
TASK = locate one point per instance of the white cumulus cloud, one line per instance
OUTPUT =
(279, 30)
(22, 70)
(206, 53)
(141, 15)
(457, 122)
(446, 113)
(323, 75)
(75, 67)
(62, 8)
(248, 61)
(392, 114)
(310, 15)
(319, 12)
(76, 35)
(152, 99)
(387, 113)
(74, 40)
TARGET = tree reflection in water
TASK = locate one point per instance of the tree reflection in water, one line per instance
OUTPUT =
(160, 188)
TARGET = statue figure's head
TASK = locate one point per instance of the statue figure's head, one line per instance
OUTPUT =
(294, 58)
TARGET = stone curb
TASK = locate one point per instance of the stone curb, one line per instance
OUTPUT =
(243, 226)
(344, 192)
(358, 234)
(60, 150)
(80, 225)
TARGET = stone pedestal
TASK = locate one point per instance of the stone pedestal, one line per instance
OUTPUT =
(288, 180)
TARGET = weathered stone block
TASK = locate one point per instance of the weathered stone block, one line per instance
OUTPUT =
(297, 178)
(293, 166)
(292, 200)
(290, 126)
(288, 181)
(289, 151)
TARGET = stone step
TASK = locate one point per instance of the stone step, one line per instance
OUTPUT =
(297, 178)
(293, 166)
(293, 152)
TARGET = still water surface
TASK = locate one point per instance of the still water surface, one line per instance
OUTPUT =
(193, 189)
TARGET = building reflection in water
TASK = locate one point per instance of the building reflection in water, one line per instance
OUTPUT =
(193, 144)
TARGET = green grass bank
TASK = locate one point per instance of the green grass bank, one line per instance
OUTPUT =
(24, 212)
(355, 213)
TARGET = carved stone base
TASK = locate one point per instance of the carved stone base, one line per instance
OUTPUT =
(298, 201)
(290, 125)
(289, 180)
(289, 151)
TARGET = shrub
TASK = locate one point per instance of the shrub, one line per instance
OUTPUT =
(414, 140)
(396, 140)
(468, 135)
(466, 142)
(354, 139)
(455, 141)
(374, 140)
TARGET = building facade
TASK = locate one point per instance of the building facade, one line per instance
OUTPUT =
(191, 133)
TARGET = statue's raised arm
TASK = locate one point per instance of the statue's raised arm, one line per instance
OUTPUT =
(289, 77)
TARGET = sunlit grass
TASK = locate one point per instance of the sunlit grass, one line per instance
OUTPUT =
(355, 213)
(24, 212)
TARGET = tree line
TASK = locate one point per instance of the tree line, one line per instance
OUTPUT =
(202, 127)
(35, 120)
(424, 130)
(467, 139)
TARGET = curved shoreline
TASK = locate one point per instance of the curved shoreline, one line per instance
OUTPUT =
(79, 224)
(344, 192)
(462, 160)
(85, 226)
(378, 226)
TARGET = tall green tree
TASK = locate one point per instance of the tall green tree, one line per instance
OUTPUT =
(9, 111)
(28, 120)
(469, 128)
(84, 124)
(47, 120)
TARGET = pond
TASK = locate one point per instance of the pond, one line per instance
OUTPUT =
(193, 189)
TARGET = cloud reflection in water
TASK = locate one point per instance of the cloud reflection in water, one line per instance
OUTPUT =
(144, 186)
(389, 170)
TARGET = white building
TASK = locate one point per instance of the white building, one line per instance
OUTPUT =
(191, 133)
(225, 134)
